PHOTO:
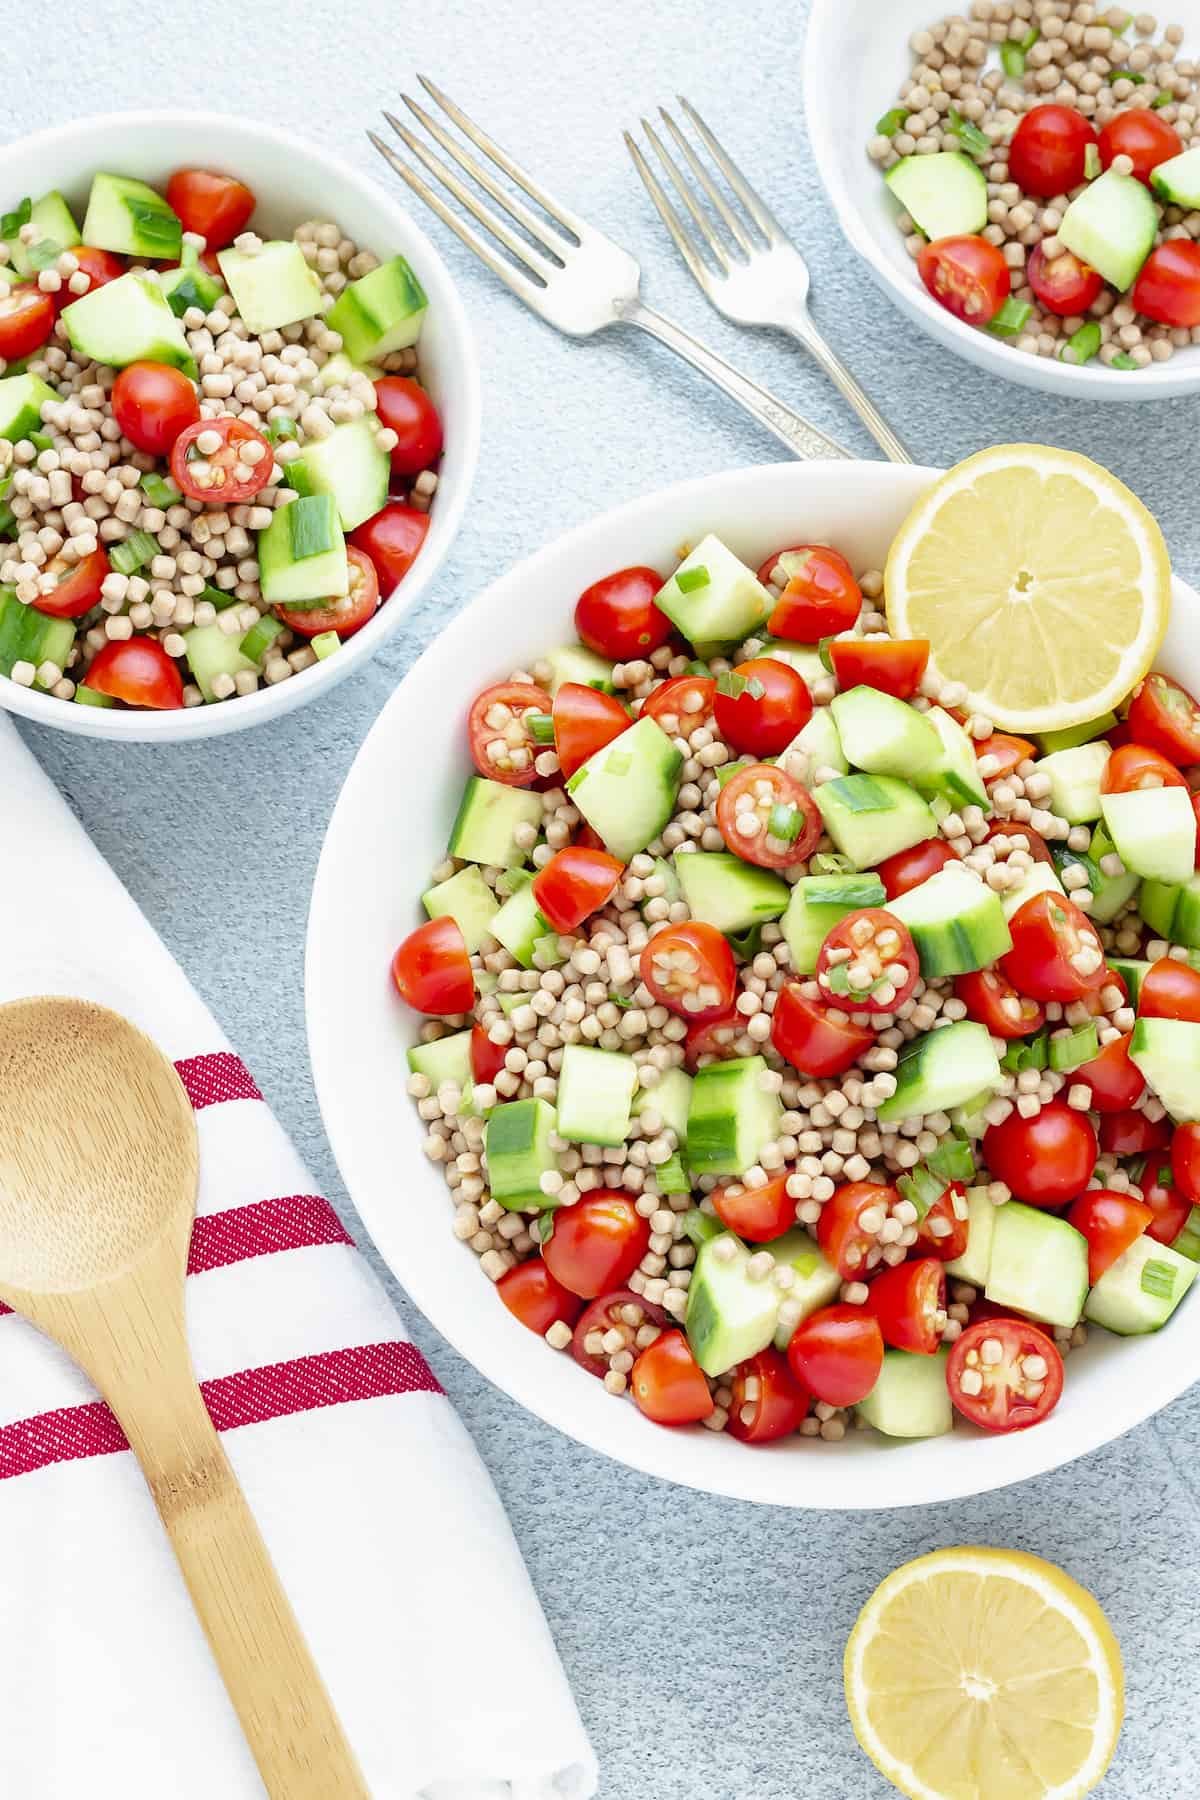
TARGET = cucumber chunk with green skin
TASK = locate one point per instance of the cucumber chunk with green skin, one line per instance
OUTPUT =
(1110, 893)
(730, 1315)
(945, 194)
(816, 904)
(517, 1146)
(1075, 777)
(1188, 1242)
(521, 928)
(211, 652)
(627, 790)
(339, 369)
(955, 776)
(190, 285)
(713, 597)
(595, 1092)
(815, 1281)
(1071, 735)
(576, 663)
(731, 1116)
(884, 736)
(1039, 1265)
(1111, 225)
(27, 635)
(22, 398)
(55, 225)
(821, 742)
(1177, 181)
(976, 1259)
(670, 1097)
(956, 921)
(1132, 972)
(273, 287)
(1140, 1291)
(1167, 1053)
(722, 890)
(871, 817)
(302, 553)
(910, 1399)
(126, 321)
(1039, 878)
(447, 1060)
(489, 816)
(467, 899)
(380, 312)
(131, 219)
(1154, 831)
(942, 1069)
(1172, 909)
(349, 465)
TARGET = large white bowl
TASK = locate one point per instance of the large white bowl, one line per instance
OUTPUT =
(294, 180)
(855, 55)
(389, 829)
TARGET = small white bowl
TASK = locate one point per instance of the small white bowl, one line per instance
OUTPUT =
(855, 56)
(376, 859)
(294, 181)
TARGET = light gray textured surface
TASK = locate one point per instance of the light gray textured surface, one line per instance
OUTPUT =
(704, 1637)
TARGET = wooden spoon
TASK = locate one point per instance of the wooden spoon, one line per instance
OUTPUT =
(99, 1164)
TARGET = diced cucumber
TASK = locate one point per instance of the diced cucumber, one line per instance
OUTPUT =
(380, 312)
(211, 652)
(575, 662)
(1154, 830)
(815, 1281)
(126, 321)
(731, 1116)
(1070, 735)
(968, 1118)
(1111, 225)
(520, 927)
(670, 1097)
(910, 1399)
(1140, 1291)
(489, 816)
(1172, 909)
(1132, 973)
(942, 1069)
(730, 1314)
(126, 216)
(1074, 777)
(627, 790)
(883, 735)
(872, 817)
(467, 899)
(517, 1146)
(944, 194)
(1039, 878)
(349, 465)
(713, 598)
(957, 922)
(724, 891)
(1177, 181)
(1167, 1052)
(816, 904)
(821, 742)
(337, 372)
(22, 398)
(1109, 892)
(1188, 1241)
(55, 227)
(27, 635)
(302, 552)
(976, 1259)
(447, 1060)
(595, 1089)
(273, 286)
(956, 775)
(191, 284)
(1039, 1265)
(672, 891)
(804, 658)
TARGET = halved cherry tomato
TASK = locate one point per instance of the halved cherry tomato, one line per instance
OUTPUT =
(586, 838)
(1046, 1160)
(1048, 151)
(1170, 990)
(405, 408)
(992, 1000)
(868, 962)
(597, 1243)
(344, 613)
(613, 1312)
(848, 1229)
(909, 1302)
(682, 704)
(27, 318)
(690, 969)
(767, 817)
(909, 868)
(821, 597)
(216, 207)
(1014, 831)
(1048, 933)
(1132, 1133)
(1185, 1161)
(944, 1230)
(1134, 768)
(499, 735)
(227, 473)
(487, 1059)
(759, 1214)
(1061, 282)
(138, 671)
(893, 665)
(667, 1383)
(768, 1401)
(574, 884)
(1110, 1221)
(761, 705)
(432, 969)
(617, 617)
(1006, 752)
(1164, 716)
(714, 1041)
(817, 1044)
(78, 586)
(584, 721)
(837, 1353)
(1115, 1080)
(100, 266)
(391, 538)
(1170, 1207)
(966, 275)
(1142, 136)
(152, 404)
(532, 1295)
(1019, 1371)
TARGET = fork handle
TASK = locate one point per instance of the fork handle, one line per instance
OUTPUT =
(802, 439)
(801, 327)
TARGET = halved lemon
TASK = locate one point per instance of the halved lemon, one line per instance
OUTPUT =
(1041, 582)
(977, 1674)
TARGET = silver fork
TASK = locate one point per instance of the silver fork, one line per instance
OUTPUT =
(754, 274)
(567, 272)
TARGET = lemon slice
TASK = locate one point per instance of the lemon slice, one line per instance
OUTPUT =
(985, 1675)
(1041, 582)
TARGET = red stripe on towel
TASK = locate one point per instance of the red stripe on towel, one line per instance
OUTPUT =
(217, 1077)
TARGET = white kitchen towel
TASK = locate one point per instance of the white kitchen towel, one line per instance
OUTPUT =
(380, 1517)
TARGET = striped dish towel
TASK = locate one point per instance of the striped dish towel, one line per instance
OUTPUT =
(380, 1517)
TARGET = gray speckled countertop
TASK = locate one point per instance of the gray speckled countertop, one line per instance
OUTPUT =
(704, 1637)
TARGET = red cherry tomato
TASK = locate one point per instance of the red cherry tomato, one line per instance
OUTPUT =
(993, 1001)
(771, 705)
(821, 597)
(667, 1383)
(1048, 933)
(690, 968)
(880, 971)
(1185, 1161)
(405, 408)
(909, 1302)
(714, 1041)
(682, 704)
(818, 1044)
(622, 1311)
(893, 665)
(152, 404)
(100, 266)
(1110, 1221)
(226, 474)
(1142, 136)
(768, 1401)
(944, 1230)
(574, 884)
(487, 1059)
(26, 320)
(432, 969)
(1168, 287)
(758, 1214)
(391, 538)
(768, 818)
(909, 868)
(616, 617)
(1170, 990)
(138, 671)
(597, 1243)
(78, 586)
(532, 1295)
(1164, 716)
(1006, 753)
(1115, 1080)
(1061, 282)
(1132, 1134)
(1169, 1205)
(848, 1228)
(584, 721)
(1048, 151)
(1015, 831)
(499, 735)
(344, 613)
(216, 207)
(966, 275)
(1134, 768)
(837, 1354)
(1018, 1387)
(1046, 1160)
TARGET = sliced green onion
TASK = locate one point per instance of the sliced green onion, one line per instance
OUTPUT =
(545, 1225)
(1010, 318)
(1125, 75)
(747, 944)
(546, 951)
(1188, 1242)
(831, 862)
(688, 580)
(1070, 1049)
(672, 1178)
(8, 520)
(953, 1160)
(973, 141)
(1158, 1278)
(1091, 162)
(891, 121)
(923, 1188)
(1029, 40)
(6, 482)
(1083, 344)
(784, 822)
(1012, 60)
(510, 881)
(282, 427)
(11, 222)
(260, 637)
(824, 653)
(755, 688)
(541, 726)
(624, 1001)
(1158, 102)
(1122, 361)
(837, 979)
(1025, 1053)
(133, 552)
(159, 492)
(87, 696)
(696, 667)
(217, 597)
(41, 440)
(1120, 30)
(325, 643)
(727, 771)
(699, 1226)
(731, 684)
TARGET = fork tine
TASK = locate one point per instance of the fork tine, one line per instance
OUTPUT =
(757, 207)
(685, 194)
(732, 223)
(570, 221)
(534, 260)
(516, 210)
(512, 277)
(666, 210)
